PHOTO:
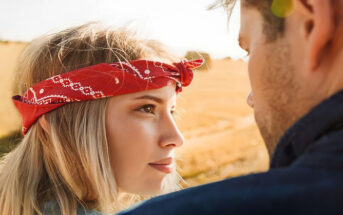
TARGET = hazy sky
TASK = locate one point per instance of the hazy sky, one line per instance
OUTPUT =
(181, 24)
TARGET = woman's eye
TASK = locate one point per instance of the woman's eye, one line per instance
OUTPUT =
(148, 109)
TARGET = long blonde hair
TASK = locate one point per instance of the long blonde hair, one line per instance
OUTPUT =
(69, 164)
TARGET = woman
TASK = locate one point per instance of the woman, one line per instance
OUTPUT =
(97, 107)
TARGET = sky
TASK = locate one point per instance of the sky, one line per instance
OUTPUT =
(181, 24)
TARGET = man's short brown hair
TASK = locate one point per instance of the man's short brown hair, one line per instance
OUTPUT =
(273, 25)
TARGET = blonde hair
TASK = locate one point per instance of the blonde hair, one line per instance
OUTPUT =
(69, 164)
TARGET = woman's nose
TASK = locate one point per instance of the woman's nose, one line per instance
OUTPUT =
(171, 135)
(250, 100)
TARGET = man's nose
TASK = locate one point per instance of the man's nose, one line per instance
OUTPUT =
(250, 100)
(171, 135)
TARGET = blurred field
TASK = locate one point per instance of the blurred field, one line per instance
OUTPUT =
(9, 119)
(221, 137)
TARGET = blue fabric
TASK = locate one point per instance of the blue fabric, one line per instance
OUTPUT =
(51, 208)
(306, 176)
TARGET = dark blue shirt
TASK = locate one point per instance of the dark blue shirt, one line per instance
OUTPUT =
(305, 176)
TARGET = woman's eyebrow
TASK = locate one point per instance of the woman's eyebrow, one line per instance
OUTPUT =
(154, 98)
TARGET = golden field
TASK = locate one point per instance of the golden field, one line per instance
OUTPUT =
(9, 118)
(221, 138)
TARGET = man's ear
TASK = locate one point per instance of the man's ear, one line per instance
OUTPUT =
(319, 28)
(44, 124)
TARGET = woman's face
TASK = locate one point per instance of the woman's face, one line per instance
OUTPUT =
(141, 135)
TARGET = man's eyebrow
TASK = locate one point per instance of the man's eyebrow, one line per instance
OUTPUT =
(154, 98)
(240, 40)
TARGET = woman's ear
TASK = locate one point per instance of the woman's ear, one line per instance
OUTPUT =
(319, 28)
(44, 123)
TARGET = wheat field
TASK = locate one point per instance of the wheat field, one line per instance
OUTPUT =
(221, 138)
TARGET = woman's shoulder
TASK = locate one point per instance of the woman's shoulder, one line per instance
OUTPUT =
(88, 212)
(51, 208)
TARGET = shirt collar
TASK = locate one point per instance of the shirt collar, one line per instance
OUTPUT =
(323, 118)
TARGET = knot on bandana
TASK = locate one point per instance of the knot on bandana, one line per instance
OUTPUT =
(185, 70)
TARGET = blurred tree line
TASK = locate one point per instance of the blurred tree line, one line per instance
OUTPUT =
(8, 142)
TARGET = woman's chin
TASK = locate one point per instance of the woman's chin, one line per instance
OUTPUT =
(152, 186)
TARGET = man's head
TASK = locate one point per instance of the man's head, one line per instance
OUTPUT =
(296, 52)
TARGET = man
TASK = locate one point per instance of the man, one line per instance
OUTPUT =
(296, 74)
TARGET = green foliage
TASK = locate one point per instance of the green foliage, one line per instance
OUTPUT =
(9, 142)
(192, 55)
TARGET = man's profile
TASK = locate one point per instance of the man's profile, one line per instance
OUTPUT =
(296, 77)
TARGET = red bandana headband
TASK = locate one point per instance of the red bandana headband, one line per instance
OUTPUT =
(100, 81)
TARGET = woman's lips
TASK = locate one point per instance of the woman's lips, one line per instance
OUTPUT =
(163, 165)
